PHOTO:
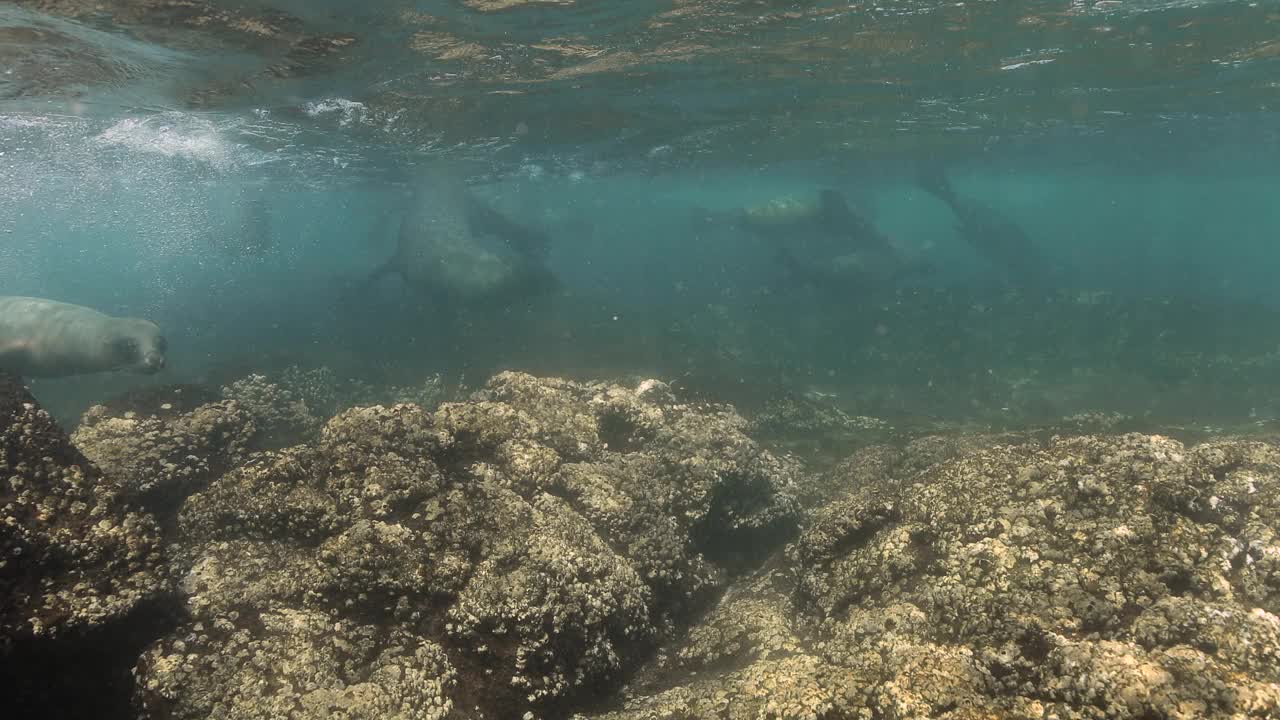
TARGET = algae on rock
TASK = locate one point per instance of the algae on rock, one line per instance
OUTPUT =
(537, 540)
(82, 574)
(1095, 577)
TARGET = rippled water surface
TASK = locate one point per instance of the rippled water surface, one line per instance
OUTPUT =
(722, 82)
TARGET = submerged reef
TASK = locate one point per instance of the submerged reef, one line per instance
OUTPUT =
(161, 454)
(81, 572)
(159, 461)
(546, 547)
(282, 414)
(1093, 577)
(289, 407)
(814, 424)
(518, 550)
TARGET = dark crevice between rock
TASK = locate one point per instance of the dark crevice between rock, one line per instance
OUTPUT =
(620, 434)
(85, 674)
(1179, 581)
(745, 547)
(862, 530)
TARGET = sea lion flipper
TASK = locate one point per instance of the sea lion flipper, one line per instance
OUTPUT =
(841, 220)
(353, 292)
(488, 220)
(931, 175)
(390, 267)
(834, 209)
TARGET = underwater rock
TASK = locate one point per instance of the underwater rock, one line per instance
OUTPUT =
(81, 573)
(815, 423)
(160, 461)
(399, 675)
(161, 458)
(1093, 577)
(513, 553)
(885, 462)
(1098, 421)
(322, 391)
(1034, 571)
(922, 453)
(282, 417)
(734, 498)
(745, 659)
(427, 394)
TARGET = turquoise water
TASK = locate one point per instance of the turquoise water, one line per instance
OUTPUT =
(970, 274)
(234, 171)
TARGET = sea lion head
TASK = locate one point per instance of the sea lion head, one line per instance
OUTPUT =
(138, 345)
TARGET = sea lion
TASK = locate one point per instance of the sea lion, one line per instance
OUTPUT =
(455, 248)
(995, 237)
(46, 338)
(824, 243)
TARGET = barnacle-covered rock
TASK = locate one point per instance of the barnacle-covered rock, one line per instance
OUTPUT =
(339, 669)
(159, 461)
(81, 573)
(879, 464)
(281, 415)
(1092, 577)
(538, 539)
(747, 658)
(1041, 561)
(670, 485)
(815, 422)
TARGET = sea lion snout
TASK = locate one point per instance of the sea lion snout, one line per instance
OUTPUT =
(152, 362)
(140, 347)
(153, 350)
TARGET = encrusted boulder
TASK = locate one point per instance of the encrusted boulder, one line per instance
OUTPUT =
(159, 461)
(513, 553)
(82, 574)
(1094, 577)
(281, 414)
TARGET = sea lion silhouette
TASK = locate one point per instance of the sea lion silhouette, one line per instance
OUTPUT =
(998, 239)
(455, 248)
(825, 243)
(46, 338)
